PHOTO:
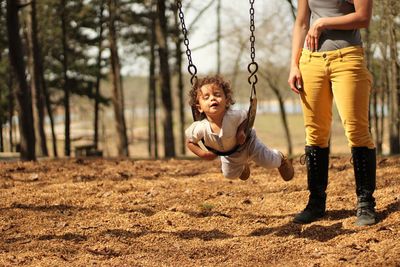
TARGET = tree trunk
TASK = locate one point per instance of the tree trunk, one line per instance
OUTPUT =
(384, 102)
(98, 78)
(178, 70)
(11, 97)
(46, 96)
(377, 117)
(394, 135)
(374, 117)
(67, 143)
(236, 65)
(381, 95)
(1, 136)
(153, 136)
(1, 122)
(27, 144)
(282, 111)
(379, 101)
(161, 36)
(50, 114)
(118, 97)
(36, 83)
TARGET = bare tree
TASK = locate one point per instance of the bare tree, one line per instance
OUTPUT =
(2, 116)
(49, 112)
(23, 94)
(178, 71)
(1, 136)
(236, 65)
(380, 74)
(35, 66)
(11, 101)
(152, 98)
(292, 9)
(165, 83)
(377, 114)
(98, 78)
(394, 83)
(118, 96)
(275, 89)
(218, 36)
(67, 143)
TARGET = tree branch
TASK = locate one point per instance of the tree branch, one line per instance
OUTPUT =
(292, 8)
(22, 4)
(200, 14)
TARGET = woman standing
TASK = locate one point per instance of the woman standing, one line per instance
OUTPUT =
(328, 63)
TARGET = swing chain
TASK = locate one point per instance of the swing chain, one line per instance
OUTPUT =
(191, 67)
(253, 66)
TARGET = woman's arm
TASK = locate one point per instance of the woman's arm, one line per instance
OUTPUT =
(356, 20)
(300, 30)
(359, 19)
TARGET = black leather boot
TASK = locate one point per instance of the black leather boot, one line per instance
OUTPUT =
(364, 163)
(317, 160)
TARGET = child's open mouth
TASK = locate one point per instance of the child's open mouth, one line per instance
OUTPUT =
(214, 105)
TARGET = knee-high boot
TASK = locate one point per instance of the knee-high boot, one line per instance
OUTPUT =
(364, 163)
(317, 160)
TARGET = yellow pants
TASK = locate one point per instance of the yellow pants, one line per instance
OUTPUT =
(341, 75)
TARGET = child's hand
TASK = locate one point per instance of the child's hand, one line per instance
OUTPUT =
(208, 155)
(240, 137)
(240, 134)
(196, 149)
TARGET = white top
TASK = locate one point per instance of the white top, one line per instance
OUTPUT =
(225, 140)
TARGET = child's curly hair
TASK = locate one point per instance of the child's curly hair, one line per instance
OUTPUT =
(216, 80)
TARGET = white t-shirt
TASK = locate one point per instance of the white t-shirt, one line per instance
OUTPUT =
(225, 140)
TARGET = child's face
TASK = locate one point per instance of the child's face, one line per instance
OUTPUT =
(212, 100)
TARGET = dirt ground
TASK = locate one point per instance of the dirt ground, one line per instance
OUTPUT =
(110, 212)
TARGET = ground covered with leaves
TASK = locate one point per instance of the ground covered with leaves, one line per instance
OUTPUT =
(109, 212)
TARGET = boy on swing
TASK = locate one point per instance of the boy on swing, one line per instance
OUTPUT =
(222, 129)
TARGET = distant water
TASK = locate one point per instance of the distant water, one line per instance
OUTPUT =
(271, 107)
(291, 107)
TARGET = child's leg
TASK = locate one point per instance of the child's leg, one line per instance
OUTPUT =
(270, 158)
(262, 155)
(233, 166)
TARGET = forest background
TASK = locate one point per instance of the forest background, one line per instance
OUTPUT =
(112, 75)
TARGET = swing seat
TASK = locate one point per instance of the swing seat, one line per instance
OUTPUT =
(251, 115)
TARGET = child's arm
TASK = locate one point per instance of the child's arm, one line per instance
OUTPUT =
(196, 149)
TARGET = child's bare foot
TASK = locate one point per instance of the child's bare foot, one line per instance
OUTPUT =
(245, 173)
(286, 169)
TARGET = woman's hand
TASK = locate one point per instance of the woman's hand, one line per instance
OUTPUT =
(313, 34)
(295, 81)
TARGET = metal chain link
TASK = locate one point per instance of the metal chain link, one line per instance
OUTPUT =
(191, 68)
(253, 66)
(252, 28)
